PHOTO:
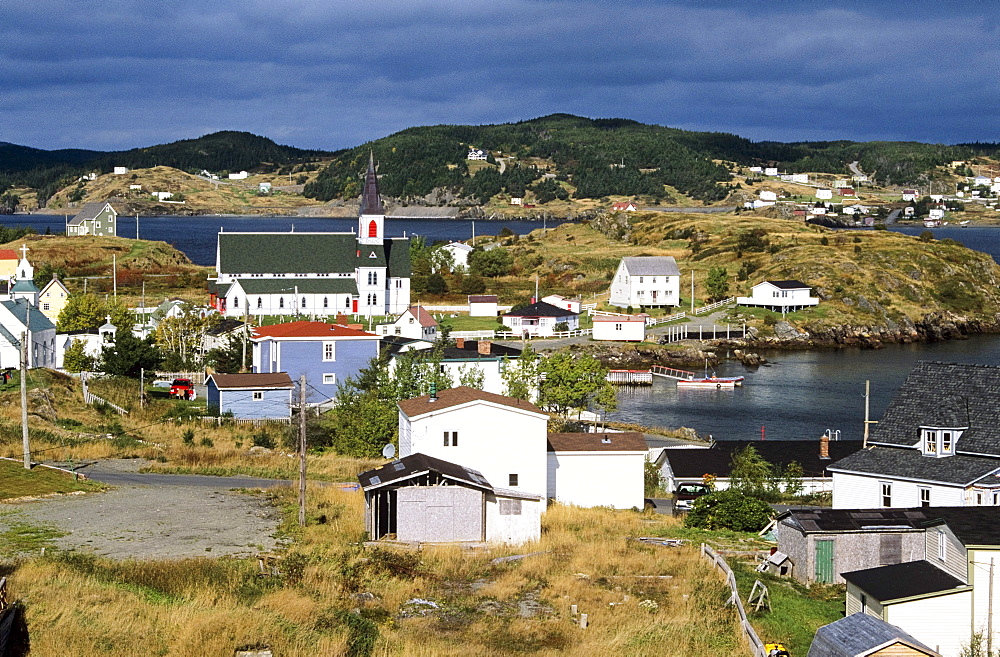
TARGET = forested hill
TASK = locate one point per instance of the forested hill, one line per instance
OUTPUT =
(47, 171)
(602, 157)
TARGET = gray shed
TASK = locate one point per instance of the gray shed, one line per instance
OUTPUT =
(861, 635)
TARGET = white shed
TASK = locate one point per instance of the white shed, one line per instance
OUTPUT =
(780, 295)
(597, 469)
(626, 328)
(768, 195)
(482, 305)
(824, 194)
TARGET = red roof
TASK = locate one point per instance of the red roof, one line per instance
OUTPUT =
(310, 330)
(9, 254)
(422, 316)
(623, 205)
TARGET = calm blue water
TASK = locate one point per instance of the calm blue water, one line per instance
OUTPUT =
(196, 236)
(801, 394)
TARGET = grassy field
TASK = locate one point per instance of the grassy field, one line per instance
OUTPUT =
(335, 597)
(17, 482)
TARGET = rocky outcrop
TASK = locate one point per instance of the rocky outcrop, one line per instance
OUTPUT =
(748, 358)
(628, 356)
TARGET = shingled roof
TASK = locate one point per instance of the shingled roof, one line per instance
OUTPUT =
(540, 309)
(461, 395)
(717, 460)
(945, 395)
(371, 200)
(628, 441)
(651, 266)
(418, 464)
(860, 634)
(912, 464)
(88, 211)
(305, 329)
(279, 380)
(788, 285)
(308, 253)
(903, 580)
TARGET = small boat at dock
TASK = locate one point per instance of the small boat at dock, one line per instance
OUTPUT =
(717, 382)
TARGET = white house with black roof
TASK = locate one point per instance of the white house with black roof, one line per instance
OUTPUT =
(861, 635)
(540, 319)
(781, 296)
(938, 444)
(646, 281)
(315, 275)
(944, 595)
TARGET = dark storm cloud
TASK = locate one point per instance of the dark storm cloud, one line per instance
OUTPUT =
(314, 73)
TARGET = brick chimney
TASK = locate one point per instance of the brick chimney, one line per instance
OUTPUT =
(460, 343)
(485, 347)
(824, 447)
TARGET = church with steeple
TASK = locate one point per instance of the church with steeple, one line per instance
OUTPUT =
(21, 320)
(315, 275)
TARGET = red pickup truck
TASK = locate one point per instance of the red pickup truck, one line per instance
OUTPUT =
(182, 389)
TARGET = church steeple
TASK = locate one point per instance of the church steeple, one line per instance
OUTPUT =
(371, 200)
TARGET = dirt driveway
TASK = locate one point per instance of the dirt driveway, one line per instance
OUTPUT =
(150, 519)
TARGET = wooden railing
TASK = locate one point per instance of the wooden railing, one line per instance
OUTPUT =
(712, 306)
(91, 398)
(756, 645)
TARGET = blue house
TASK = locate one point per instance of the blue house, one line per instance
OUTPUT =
(325, 353)
(251, 396)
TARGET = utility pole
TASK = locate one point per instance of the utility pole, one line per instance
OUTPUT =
(24, 400)
(137, 225)
(473, 233)
(142, 392)
(114, 272)
(989, 614)
(692, 291)
(302, 451)
(868, 422)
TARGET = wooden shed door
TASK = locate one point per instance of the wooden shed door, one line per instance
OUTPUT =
(824, 562)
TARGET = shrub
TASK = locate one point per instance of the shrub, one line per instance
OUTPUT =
(263, 439)
(188, 437)
(926, 236)
(561, 326)
(824, 241)
(207, 442)
(728, 510)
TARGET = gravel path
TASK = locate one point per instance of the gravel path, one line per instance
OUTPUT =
(142, 521)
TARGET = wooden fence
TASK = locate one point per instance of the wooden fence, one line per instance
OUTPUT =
(712, 306)
(256, 422)
(91, 398)
(197, 378)
(756, 645)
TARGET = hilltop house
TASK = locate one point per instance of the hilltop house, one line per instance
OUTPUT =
(459, 252)
(559, 301)
(624, 206)
(315, 274)
(251, 396)
(937, 444)
(782, 296)
(646, 281)
(540, 319)
(415, 323)
(325, 353)
(94, 219)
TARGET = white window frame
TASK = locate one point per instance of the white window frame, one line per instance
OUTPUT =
(329, 378)
(329, 352)
(942, 546)
(258, 395)
(886, 490)
(925, 495)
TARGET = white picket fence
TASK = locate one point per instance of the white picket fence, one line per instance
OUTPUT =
(653, 321)
(756, 645)
(712, 306)
(508, 335)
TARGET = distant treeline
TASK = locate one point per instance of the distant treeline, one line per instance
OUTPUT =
(603, 157)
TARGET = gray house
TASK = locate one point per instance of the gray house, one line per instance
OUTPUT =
(251, 396)
(419, 498)
(94, 219)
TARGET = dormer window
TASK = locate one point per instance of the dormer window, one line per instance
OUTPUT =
(939, 441)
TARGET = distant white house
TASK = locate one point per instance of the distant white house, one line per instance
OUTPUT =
(162, 196)
(910, 194)
(624, 206)
(771, 171)
(935, 213)
(572, 305)
(756, 169)
(767, 195)
(120, 171)
(476, 154)
(824, 194)
(576, 461)
(242, 175)
(784, 296)
(459, 254)
(801, 178)
(414, 323)
(482, 305)
(982, 180)
(264, 188)
(540, 319)
(135, 188)
(630, 328)
(646, 281)
(856, 208)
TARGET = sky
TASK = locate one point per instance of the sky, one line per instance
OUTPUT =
(328, 74)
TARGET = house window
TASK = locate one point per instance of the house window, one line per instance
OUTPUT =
(329, 351)
(946, 442)
(326, 302)
(864, 603)
(281, 302)
(930, 438)
(654, 280)
(399, 282)
(258, 396)
(510, 507)
(260, 302)
(329, 379)
(372, 229)
(453, 437)
(236, 302)
(303, 302)
(942, 546)
(979, 498)
(618, 327)
(886, 494)
(640, 279)
(925, 497)
(45, 306)
(399, 330)
(512, 479)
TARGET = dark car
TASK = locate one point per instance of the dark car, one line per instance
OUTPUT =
(686, 494)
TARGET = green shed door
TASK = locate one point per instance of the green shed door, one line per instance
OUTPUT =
(824, 562)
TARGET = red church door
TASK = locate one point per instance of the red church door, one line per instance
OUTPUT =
(354, 306)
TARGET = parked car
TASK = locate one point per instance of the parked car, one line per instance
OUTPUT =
(686, 494)
(182, 389)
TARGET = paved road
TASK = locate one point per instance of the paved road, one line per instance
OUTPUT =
(726, 208)
(116, 476)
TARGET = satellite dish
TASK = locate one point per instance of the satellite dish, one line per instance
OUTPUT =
(389, 451)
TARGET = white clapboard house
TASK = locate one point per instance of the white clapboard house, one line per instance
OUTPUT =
(646, 281)
(782, 296)
(938, 444)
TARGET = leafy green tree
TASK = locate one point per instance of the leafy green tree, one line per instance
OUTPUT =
(750, 474)
(129, 355)
(472, 376)
(653, 480)
(9, 202)
(491, 264)
(226, 359)
(75, 359)
(87, 312)
(472, 284)
(717, 283)
(729, 509)
(362, 423)
(575, 382)
(183, 335)
(521, 376)
(436, 284)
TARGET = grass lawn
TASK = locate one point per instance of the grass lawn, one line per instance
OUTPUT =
(15, 481)
(467, 323)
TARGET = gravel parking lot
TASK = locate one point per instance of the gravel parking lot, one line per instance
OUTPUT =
(154, 517)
